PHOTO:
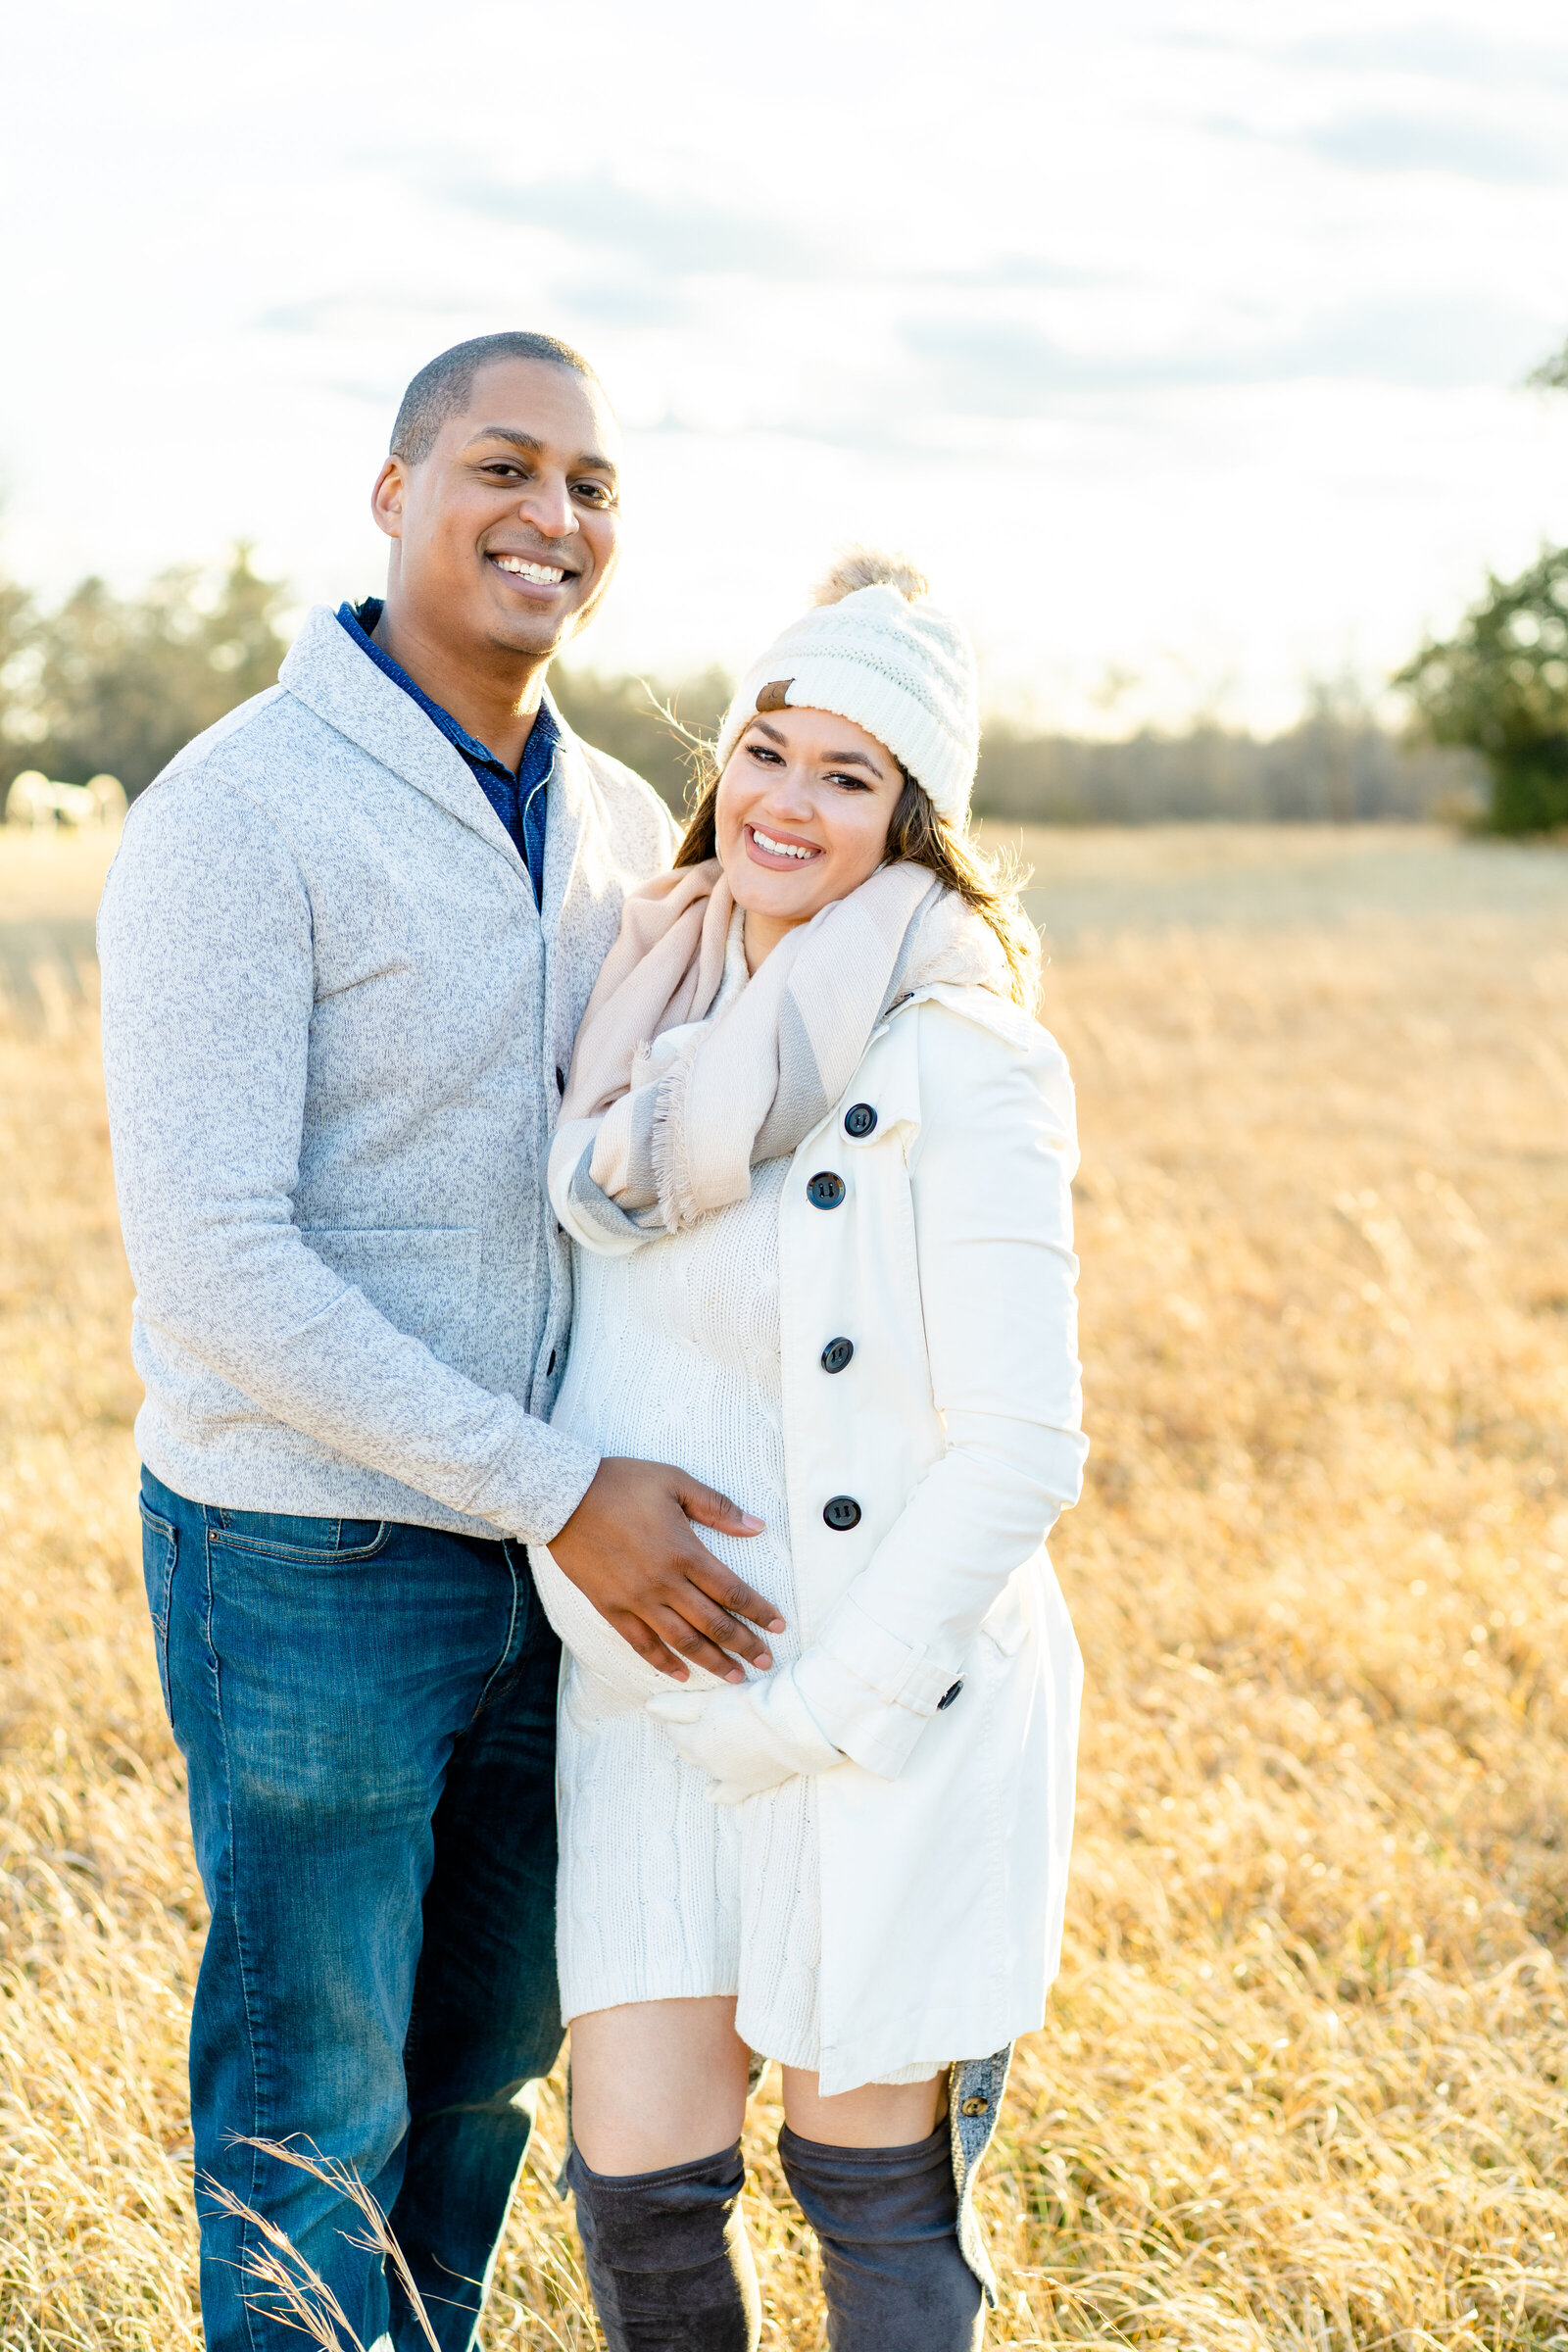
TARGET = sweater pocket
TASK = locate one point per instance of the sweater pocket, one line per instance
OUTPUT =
(425, 1279)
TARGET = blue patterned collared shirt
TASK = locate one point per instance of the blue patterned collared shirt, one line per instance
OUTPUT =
(519, 801)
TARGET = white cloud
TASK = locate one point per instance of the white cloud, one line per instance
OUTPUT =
(1179, 336)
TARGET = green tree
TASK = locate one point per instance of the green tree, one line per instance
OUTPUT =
(641, 723)
(19, 662)
(119, 685)
(1499, 685)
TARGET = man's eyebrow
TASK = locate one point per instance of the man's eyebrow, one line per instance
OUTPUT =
(588, 462)
(507, 432)
(833, 759)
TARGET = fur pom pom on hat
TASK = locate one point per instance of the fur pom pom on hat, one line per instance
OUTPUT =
(872, 647)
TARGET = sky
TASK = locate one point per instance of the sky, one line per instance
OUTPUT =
(1181, 341)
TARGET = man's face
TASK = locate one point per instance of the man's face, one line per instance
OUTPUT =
(506, 535)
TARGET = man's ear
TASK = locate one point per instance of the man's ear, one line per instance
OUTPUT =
(386, 498)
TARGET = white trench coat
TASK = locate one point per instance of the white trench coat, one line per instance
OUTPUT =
(938, 1654)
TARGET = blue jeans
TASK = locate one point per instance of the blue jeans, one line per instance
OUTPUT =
(368, 1716)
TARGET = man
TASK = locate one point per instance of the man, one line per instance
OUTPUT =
(346, 944)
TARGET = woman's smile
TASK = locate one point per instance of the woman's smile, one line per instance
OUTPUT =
(777, 849)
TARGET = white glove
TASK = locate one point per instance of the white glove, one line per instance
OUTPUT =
(747, 1739)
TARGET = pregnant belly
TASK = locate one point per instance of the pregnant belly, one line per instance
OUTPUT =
(594, 1642)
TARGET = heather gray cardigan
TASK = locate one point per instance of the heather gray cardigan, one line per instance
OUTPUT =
(333, 1020)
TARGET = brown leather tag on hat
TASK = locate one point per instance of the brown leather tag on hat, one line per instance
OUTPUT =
(773, 696)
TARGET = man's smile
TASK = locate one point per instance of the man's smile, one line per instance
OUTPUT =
(523, 568)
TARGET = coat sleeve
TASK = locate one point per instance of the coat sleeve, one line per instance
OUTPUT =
(208, 960)
(991, 1174)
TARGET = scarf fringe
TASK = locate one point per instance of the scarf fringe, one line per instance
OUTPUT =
(672, 1175)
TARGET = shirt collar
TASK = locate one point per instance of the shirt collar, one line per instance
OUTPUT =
(543, 737)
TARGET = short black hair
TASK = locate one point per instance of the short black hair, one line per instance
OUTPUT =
(442, 385)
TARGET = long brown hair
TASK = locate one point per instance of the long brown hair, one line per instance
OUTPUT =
(985, 880)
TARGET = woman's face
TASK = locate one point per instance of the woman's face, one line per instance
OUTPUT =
(801, 817)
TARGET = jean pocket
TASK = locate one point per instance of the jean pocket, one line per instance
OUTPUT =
(308, 1542)
(160, 1553)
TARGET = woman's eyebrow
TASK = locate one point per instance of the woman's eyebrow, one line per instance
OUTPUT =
(832, 760)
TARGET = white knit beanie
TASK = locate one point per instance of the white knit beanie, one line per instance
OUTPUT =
(875, 649)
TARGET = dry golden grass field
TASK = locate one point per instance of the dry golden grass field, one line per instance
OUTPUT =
(1305, 2077)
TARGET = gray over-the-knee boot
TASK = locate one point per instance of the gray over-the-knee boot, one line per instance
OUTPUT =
(668, 2255)
(893, 2272)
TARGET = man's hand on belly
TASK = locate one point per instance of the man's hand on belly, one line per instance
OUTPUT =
(629, 1547)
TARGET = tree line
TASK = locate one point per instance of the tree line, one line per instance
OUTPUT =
(103, 683)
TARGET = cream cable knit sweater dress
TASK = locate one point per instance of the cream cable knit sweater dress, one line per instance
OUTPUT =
(675, 1357)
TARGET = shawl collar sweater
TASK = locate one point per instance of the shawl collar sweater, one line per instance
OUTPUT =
(520, 797)
(334, 1020)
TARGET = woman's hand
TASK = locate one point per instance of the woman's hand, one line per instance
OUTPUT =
(629, 1547)
(747, 1741)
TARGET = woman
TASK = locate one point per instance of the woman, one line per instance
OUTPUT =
(816, 1157)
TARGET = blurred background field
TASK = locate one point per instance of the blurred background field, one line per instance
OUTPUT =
(104, 682)
(1304, 2080)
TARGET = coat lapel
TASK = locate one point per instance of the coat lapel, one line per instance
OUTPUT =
(584, 880)
(584, 883)
(325, 670)
(571, 809)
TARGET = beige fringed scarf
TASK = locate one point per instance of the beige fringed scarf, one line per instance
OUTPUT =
(666, 1112)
